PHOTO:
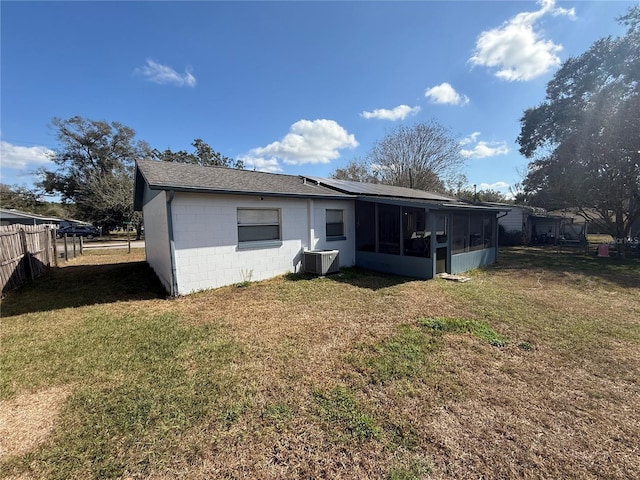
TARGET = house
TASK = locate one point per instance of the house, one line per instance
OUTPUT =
(535, 225)
(10, 216)
(207, 227)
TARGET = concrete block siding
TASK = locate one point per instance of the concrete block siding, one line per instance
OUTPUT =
(207, 254)
(157, 230)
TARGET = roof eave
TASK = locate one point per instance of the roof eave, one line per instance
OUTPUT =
(185, 189)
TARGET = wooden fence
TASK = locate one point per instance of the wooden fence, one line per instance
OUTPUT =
(26, 251)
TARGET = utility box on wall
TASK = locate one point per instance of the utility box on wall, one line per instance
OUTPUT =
(321, 262)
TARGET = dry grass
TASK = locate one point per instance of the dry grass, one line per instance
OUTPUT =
(27, 419)
(338, 378)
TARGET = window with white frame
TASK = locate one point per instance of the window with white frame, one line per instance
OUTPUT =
(258, 225)
(335, 224)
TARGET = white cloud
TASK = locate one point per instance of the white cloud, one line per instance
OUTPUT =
(516, 50)
(445, 93)
(485, 149)
(261, 164)
(470, 139)
(482, 149)
(317, 141)
(399, 113)
(494, 186)
(15, 156)
(164, 75)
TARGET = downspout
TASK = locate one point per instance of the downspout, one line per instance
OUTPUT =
(172, 246)
(311, 224)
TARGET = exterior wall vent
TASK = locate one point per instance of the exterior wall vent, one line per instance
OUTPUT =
(321, 262)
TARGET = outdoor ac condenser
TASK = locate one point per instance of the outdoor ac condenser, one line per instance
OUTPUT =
(321, 262)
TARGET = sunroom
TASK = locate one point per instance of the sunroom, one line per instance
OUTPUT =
(421, 239)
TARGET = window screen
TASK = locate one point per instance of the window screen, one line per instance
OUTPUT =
(259, 224)
(335, 223)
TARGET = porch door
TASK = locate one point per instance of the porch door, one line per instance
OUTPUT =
(441, 257)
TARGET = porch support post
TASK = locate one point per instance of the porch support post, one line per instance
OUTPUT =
(432, 223)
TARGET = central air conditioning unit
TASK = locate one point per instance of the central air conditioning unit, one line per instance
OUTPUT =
(321, 262)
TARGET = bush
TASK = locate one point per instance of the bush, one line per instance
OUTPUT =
(511, 238)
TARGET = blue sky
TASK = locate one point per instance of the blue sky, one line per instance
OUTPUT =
(291, 87)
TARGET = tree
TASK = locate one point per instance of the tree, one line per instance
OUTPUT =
(19, 197)
(425, 156)
(95, 171)
(203, 155)
(487, 195)
(30, 200)
(357, 170)
(584, 138)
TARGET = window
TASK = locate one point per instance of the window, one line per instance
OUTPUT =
(389, 229)
(476, 224)
(258, 225)
(416, 238)
(365, 226)
(473, 231)
(441, 228)
(459, 233)
(489, 228)
(335, 225)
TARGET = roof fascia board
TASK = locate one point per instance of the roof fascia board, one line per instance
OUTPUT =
(413, 202)
(21, 214)
(244, 192)
(407, 202)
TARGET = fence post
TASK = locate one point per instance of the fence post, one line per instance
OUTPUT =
(27, 255)
(55, 246)
(81, 244)
(47, 247)
(66, 249)
(74, 245)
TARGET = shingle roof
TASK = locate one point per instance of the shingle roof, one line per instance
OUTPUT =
(378, 189)
(188, 177)
(195, 178)
(11, 213)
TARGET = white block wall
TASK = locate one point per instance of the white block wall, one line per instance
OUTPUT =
(347, 247)
(206, 239)
(156, 236)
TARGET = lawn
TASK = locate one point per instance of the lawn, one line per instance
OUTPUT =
(529, 370)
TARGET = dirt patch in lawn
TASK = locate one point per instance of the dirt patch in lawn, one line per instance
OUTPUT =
(27, 420)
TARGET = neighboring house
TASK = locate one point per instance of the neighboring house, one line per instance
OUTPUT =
(17, 217)
(207, 227)
(536, 226)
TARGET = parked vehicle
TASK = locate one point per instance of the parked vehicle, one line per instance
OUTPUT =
(88, 231)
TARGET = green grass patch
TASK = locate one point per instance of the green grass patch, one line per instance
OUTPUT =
(277, 412)
(101, 348)
(137, 395)
(403, 356)
(463, 325)
(341, 414)
(414, 469)
(83, 285)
